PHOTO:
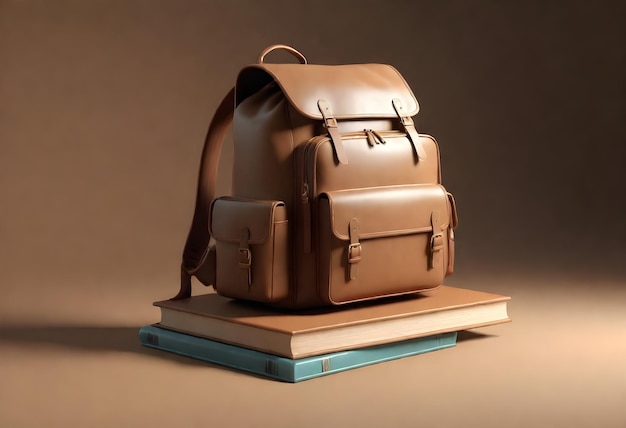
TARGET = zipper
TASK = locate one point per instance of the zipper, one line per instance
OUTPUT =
(379, 134)
(308, 190)
(306, 217)
(377, 137)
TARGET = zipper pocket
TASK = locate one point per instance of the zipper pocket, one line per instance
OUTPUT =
(307, 196)
(308, 189)
(312, 145)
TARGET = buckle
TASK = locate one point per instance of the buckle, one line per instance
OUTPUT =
(406, 120)
(245, 258)
(354, 253)
(436, 242)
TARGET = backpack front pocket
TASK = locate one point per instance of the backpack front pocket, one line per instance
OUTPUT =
(382, 241)
(252, 248)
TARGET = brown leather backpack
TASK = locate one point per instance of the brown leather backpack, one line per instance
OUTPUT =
(336, 198)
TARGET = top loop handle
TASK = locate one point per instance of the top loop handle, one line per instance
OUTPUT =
(289, 49)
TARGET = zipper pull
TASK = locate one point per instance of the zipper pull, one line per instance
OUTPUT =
(306, 218)
(374, 137)
(371, 140)
(378, 136)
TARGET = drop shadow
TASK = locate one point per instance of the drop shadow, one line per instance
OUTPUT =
(242, 308)
(100, 339)
(86, 338)
(95, 339)
(467, 335)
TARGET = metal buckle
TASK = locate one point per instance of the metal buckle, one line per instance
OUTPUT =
(436, 242)
(330, 122)
(245, 258)
(354, 248)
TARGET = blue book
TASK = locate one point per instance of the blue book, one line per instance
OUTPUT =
(287, 369)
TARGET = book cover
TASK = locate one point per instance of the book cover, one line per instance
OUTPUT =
(314, 332)
(287, 369)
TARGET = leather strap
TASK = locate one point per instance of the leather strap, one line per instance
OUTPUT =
(333, 131)
(409, 128)
(245, 258)
(197, 245)
(354, 249)
(436, 240)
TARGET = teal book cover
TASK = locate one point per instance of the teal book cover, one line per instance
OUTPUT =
(286, 369)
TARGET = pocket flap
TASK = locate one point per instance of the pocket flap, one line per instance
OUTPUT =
(352, 90)
(230, 215)
(388, 211)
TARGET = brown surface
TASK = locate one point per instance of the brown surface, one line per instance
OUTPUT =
(103, 108)
(559, 363)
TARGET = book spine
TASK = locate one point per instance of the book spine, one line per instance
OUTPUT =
(311, 367)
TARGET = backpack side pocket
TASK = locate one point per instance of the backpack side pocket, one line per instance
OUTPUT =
(252, 248)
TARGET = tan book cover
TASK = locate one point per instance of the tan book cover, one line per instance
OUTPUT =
(314, 332)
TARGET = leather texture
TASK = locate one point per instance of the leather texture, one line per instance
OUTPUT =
(393, 234)
(335, 196)
(251, 248)
(354, 91)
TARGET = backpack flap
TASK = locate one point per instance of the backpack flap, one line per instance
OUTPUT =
(332, 93)
(354, 91)
(252, 248)
(382, 241)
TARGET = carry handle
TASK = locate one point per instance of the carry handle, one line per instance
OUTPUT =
(287, 48)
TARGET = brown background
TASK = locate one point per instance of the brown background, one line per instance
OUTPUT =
(103, 109)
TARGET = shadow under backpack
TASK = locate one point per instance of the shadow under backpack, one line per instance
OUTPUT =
(336, 198)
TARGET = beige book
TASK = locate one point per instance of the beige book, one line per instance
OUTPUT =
(314, 332)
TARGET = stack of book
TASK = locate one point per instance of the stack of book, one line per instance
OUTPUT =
(295, 346)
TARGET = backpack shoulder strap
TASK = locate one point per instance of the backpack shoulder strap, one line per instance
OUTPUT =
(197, 245)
